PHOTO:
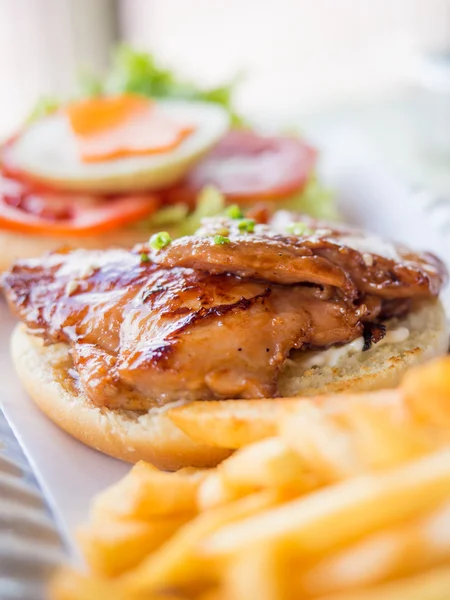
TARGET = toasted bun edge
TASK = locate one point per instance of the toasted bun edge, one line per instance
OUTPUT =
(125, 435)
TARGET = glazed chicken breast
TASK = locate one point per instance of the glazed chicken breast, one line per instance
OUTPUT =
(217, 314)
(294, 249)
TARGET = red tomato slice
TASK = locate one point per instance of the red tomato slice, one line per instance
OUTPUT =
(28, 211)
(246, 166)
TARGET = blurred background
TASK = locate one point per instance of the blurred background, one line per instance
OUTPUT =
(380, 69)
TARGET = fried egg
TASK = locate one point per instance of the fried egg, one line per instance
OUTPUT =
(128, 148)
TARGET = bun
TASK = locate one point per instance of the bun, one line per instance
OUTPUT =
(153, 437)
(127, 435)
(382, 366)
(15, 246)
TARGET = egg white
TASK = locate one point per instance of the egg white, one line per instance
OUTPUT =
(47, 151)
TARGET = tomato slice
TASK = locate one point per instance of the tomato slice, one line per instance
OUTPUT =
(24, 210)
(246, 166)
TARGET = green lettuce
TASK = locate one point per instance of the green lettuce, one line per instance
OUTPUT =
(178, 219)
(210, 202)
(314, 199)
(140, 73)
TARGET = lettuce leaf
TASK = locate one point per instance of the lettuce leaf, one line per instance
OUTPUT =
(139, 73)
(314, 199)
(166, 216)
(178, 220)
(210, 202)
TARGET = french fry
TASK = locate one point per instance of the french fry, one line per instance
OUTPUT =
(327, 519)
(349, 435)
(228, 424)
(321, 442)
(386, 436)
(413, 546)
(214, 492)
(426, 390)
(268, 463)
(349, 502)
(146, 493)
(265, 464)
(69, 584)
(176, 563)
(430, 585)
(260, 574)
(110, 548)
(211, 594)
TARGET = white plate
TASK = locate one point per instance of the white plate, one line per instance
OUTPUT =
(71, 473)
(30, 546)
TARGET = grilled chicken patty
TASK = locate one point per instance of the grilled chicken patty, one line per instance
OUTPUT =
(324, 254)
(209, 320)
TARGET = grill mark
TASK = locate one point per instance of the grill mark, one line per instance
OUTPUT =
(161, 352)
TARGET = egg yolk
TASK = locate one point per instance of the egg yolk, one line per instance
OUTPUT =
(120, 126)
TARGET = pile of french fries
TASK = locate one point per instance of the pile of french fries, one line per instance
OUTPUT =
(338, 498)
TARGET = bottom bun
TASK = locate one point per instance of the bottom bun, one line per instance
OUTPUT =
(383, 366)
(153, 437)
(127, 435)
(17, 246)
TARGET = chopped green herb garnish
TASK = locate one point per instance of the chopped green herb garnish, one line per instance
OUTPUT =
(144, 258)
(220, 239)
(299, 228)
(234, 212)
(160, 240)
(247, 225)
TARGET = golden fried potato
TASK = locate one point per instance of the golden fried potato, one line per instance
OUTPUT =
(428, 585)
(68, 584)
(146, 492)
(386, 435)
(349, 435)
(110, 548)
(71, 585)
(426, 390)
(177, 562)
(214, 491)
(349, 502)
(261, 574)
(265, 464)
(228, 424)
(416, 545)
(327, 519)
(321, 442)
